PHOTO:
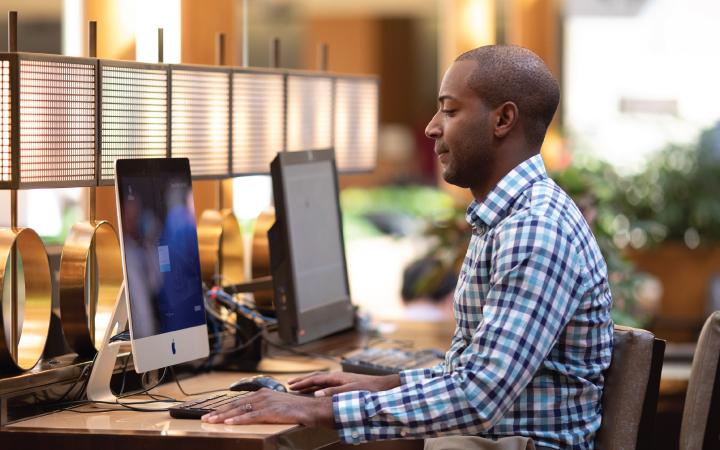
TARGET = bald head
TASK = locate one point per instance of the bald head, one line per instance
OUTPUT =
(509, 73)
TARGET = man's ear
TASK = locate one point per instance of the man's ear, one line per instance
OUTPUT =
(506, 118)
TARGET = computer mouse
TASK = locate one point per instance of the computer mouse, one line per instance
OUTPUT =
(258, 382)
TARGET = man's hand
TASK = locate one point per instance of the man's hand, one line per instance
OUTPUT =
(327, 384)
(268, 406)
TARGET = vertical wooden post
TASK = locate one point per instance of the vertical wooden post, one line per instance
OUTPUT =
(14, 316)
(220, 49)
(322, 57)
(275, 53)
(220, 61)
(93, 284)
(245, 35)
(92, 53)
(161, 56)
(12, 31)
(92, 39)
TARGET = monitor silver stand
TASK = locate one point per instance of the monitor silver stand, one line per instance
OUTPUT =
(98, 388)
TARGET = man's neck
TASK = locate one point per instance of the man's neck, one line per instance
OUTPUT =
(503, 167)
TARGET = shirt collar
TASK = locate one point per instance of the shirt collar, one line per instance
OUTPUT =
(498, 202)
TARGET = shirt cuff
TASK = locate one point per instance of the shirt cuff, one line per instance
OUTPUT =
(349, 416)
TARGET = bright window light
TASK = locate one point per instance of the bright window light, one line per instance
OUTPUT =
(635, 81)
(149, 16)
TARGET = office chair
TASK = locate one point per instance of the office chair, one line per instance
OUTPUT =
(700, 429)
(630, 396)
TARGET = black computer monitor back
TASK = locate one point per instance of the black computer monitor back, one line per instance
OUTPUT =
(307, 254)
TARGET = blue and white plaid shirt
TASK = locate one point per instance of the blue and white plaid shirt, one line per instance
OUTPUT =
(533, 334)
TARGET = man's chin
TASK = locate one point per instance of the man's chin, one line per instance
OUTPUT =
(452, 178)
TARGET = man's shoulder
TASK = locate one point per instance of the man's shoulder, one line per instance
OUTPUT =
(545, 198)
(545, 204)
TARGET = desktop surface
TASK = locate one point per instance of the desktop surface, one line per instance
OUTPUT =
(122, 427)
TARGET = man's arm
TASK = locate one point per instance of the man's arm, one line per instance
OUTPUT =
(536, 285)
(326, 384)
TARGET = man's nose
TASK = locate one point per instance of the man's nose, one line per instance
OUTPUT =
(433, 130)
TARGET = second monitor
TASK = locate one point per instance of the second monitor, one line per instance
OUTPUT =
(307, 253)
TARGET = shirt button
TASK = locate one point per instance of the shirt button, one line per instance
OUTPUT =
(355, 434)
(404, 433)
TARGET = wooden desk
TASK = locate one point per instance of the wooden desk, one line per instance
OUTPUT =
(125, 429)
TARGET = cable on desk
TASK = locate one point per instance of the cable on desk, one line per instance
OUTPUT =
(86, 370)
(85, 373)
(242, 346)
(189, 394)
(219, 295)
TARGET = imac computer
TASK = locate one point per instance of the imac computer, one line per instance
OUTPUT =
(307, 253)
(162, 295)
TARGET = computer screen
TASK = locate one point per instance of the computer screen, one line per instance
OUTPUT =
(161, 263)
(312, 295)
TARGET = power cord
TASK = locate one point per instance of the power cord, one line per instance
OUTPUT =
(222, 298)
(190, 394)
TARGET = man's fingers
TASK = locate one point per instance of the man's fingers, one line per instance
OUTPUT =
(328, 391)
(309, 390)
(243, 405)
(315, 381)
(267, 415)
(227, 413)
(304, 377)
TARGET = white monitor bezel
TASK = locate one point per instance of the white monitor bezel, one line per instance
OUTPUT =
(156, 352)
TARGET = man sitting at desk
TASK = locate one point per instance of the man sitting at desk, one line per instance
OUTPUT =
(532, 304)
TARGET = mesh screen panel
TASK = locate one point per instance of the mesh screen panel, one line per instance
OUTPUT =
(356, 124)
(258, 117)
(200, 120)
(5, 123)
(309, 113)
(134, 116)
(57, 130)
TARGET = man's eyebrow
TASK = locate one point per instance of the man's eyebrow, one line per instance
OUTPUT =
(442, 98)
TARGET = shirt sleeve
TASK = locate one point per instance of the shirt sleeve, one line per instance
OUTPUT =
(536, 285)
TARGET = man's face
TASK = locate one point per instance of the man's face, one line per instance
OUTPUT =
(462, 128)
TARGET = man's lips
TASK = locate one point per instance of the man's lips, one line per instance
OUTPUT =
(440, 148)
(441, 151)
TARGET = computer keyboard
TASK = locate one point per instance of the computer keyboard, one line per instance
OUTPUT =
(385, 361)
(198, 407)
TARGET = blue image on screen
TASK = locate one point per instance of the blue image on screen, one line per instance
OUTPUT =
(161, 255)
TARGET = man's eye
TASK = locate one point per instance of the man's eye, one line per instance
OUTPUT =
(448, 112)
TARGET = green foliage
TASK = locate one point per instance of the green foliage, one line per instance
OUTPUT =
(416, 201)
(677, 196)
(420, 204)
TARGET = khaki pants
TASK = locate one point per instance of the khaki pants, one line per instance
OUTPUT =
(478, 443)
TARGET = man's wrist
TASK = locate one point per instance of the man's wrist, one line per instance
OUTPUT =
(390, 381)
(322, 412)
